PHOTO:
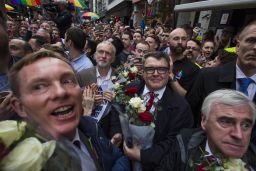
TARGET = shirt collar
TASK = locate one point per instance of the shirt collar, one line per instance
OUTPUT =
(79, 57)
(108, 75)
(240, 74)
(77, 137)
(158, 92)
(207, 149)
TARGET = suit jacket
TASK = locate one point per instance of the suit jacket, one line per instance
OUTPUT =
(175, 115)
(209, 80)
(186, 151)
(110, 123)
(108, 156)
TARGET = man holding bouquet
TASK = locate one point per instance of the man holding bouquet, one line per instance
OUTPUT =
(168, 112)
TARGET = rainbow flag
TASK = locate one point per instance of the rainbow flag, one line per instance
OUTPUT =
(78, 3)
(26, 2)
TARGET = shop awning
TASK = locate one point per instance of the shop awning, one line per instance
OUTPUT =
(215, 4)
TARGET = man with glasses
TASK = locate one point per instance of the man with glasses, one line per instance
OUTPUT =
(193, 50)
(184, 71)
(228, 117)
(174, 115)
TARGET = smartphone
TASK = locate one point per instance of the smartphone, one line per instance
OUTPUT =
(3, 95)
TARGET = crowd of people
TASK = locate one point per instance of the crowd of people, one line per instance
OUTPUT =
(59, 75)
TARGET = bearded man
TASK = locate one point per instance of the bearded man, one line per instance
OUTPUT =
(184, 71)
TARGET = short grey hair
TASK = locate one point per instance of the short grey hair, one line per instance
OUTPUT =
(226, 97)
(106, 42)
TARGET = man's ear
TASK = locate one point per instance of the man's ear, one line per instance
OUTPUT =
(237, 45)
(203, 121)
(18, 107)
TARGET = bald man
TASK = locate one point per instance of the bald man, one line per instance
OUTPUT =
(184, 71)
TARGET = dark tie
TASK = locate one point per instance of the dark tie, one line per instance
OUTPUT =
(77, 144)
(244, 83)
(150, 101)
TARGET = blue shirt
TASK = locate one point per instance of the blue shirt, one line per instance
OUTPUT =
(4, 85)
(82, 62)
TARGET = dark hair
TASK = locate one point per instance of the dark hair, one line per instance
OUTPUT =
(77, 36)
(15, 80)
(129, 34)
(55, 48)
(196, 41)
(156, 38)
(40, 41)
(245, 28)
(226, 57)
(118, 44)
(27, 48)
(91, 44)
(157, 55)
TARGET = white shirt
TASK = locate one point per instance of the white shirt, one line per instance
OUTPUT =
(104, 82)
(158, 93)
(85, 157)
(251, 88)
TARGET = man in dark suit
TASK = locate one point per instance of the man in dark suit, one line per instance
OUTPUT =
(50, 96)
(230, 75)
(101, 75)
(227, 121)
(174, 115)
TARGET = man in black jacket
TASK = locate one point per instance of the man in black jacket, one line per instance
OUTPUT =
(174, 115)
(228, 75)
(227, 122)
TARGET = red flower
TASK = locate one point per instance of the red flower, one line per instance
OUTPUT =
(131, 91)
(131, 76)
(146, 117)
(201, 167)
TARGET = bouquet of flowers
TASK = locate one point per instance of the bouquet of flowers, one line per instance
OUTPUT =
(137, 123)
(25, 150)
(128, 97)
(219, 163)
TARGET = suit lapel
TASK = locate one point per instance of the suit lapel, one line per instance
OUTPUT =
(90, 149)
(164, 105)
(228, 75)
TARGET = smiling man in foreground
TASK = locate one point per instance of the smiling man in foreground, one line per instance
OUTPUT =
(46, 92)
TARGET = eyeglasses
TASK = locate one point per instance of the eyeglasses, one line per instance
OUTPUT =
(193, 48)
(160, 70)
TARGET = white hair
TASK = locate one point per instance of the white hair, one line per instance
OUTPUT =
(226, 97)
(106, 42)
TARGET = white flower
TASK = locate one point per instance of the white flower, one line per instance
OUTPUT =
(113, 78)
(11, 131)
(135, 102)
(28, 155)
(116, 85)
(134, 69)
(234, 165)
(125, 73)
(142, 108)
